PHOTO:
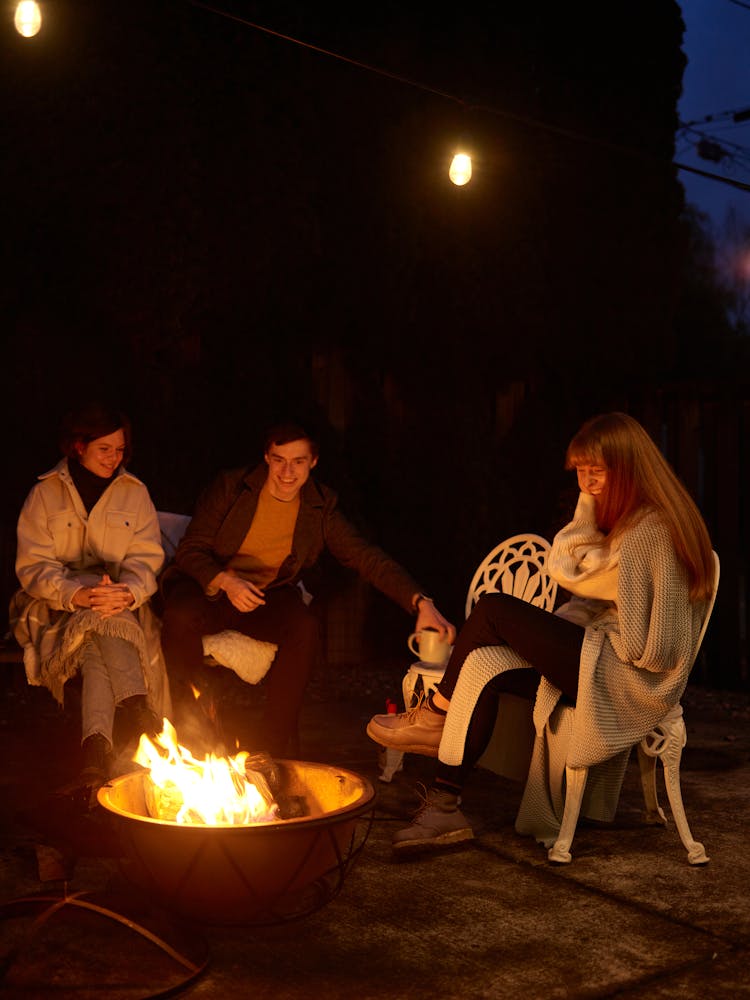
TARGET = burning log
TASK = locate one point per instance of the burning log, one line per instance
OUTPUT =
(214, 790)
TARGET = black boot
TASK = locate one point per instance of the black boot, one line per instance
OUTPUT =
(96, 750)
(81, 792)
(140, 718)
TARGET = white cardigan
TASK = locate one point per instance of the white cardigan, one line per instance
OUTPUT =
(640, 635)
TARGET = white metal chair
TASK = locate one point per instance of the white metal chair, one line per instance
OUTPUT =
(665, 742)
(516, 566)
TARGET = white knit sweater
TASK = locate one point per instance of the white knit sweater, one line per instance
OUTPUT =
(639, 645)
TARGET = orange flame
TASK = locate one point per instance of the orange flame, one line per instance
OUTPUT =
(215, 791)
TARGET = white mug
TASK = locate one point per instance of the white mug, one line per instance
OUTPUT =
(433, 648)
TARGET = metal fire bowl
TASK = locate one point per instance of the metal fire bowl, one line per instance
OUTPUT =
(256, 874)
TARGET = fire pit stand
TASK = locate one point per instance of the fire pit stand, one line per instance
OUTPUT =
(182, 876)
(46, 953)
(257, 874)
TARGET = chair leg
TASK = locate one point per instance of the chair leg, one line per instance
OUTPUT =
(408, 685)
(666, 742)
(653, 814)
(575, 785)
(696, 851)
(389, 761)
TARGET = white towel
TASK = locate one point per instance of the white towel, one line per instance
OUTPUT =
(249, 658)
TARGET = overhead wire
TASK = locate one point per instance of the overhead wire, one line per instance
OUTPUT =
(738, 116)
(698, 134)
(711, 144)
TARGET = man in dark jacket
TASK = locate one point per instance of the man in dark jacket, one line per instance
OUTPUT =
(253, 535)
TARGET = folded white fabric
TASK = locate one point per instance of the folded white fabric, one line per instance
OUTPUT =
(249, 658)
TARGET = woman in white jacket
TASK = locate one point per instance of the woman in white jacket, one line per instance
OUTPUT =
(89, 549)
(637, 561)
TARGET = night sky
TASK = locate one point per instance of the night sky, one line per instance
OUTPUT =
(716, 85)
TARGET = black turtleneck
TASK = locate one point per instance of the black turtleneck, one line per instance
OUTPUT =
(90, 486)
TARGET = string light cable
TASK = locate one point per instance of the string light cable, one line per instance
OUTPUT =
(487, 109)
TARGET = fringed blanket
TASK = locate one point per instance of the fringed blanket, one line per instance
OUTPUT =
(53, 641)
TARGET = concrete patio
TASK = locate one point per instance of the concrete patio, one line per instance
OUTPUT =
(487, 919)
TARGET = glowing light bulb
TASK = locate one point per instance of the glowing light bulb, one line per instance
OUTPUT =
(28, 18)
(460, 169)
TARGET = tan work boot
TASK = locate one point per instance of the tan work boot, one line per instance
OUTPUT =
(437, 821)
(417, 731)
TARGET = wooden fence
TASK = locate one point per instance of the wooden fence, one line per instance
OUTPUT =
(704, 430)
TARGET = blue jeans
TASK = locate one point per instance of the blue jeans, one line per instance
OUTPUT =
(111, 671)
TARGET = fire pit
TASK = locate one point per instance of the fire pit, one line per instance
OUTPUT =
(263, 873)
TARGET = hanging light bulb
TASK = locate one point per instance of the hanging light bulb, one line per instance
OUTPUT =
(460, 169)
(28, 18)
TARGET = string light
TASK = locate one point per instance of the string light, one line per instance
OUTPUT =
(460, 169)
(28, 18)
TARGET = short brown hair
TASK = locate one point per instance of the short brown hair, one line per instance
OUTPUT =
(288, 431)
(92, 421)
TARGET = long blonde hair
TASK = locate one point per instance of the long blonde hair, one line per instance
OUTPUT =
(640, 479)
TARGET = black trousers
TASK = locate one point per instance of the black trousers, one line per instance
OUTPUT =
(549, 643)
(284, 619)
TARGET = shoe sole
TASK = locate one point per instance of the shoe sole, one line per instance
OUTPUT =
(454, 837)
(422, 748)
